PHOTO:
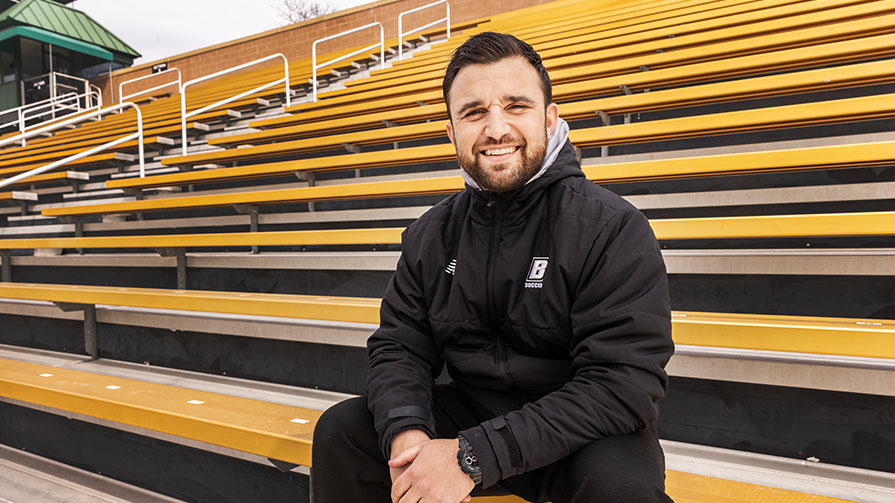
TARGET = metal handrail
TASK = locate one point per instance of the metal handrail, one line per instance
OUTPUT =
(122, 97)
(103, 111)
(315, 66)
(99, 95)
(51, 104)
(184, 116)
(401, 33)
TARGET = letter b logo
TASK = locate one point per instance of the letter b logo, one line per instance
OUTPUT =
(538, 268)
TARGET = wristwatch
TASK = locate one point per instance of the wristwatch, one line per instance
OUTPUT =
(468, 462)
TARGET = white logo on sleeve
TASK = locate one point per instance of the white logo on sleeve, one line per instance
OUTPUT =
(536, 272)
(452, 267)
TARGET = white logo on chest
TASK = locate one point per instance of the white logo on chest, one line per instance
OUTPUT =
(536, 272)
(452, 267)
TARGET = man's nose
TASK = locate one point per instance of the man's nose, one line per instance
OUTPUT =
(497, 125)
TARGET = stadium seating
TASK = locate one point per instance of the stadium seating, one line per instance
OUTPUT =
(755, 135)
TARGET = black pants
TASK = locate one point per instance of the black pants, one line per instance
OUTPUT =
(348, 466)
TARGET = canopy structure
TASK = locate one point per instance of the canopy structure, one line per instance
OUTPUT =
(51, 22)
(57, 40)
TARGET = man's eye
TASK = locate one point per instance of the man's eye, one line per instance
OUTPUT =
(473, 113)
(517, 106)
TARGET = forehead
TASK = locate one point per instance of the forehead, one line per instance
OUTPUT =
(488, 82)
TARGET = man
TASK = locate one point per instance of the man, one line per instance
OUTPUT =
(543, 294)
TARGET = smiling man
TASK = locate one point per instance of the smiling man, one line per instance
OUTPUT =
(545, 298)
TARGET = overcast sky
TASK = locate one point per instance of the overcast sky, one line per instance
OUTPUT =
(161, 28)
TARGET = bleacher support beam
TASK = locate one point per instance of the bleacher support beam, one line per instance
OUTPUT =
(90, 335)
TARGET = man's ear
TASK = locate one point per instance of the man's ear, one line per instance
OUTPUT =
(552, 118)
(450, 131)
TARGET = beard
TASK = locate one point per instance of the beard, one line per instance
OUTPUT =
(516, 173)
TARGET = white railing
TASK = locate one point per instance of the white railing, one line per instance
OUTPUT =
(184, 116)
(401, 33)
(122, 97)
(56, 125)
(95, 90)
(50, 106)
(315, 66)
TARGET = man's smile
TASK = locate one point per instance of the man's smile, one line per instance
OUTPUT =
(499, 154)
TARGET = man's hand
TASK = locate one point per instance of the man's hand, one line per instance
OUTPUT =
(433, 474)
(401, 443)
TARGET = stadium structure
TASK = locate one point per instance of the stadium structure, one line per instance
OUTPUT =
(193, 250)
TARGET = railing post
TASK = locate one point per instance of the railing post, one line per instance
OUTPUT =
(315, 66)
(184, 115)
(183, 120)
(178, 81)
(52, 127)
(314, 71)
(53, 93)
(22, 125)
(446, 19)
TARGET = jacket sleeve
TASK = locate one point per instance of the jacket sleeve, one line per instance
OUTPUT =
(620, 342)
(403, 360)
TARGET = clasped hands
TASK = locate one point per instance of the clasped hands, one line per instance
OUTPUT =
(425, 470)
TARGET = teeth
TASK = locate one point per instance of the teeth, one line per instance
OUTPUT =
(500, 151)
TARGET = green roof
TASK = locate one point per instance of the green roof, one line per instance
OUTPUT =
(56, 39)
(51, 16)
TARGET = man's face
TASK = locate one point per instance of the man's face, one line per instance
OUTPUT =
(500, 123)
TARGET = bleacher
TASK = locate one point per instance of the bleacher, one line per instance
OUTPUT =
(174, 336)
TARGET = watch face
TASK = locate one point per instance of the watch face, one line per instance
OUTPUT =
(470, 462)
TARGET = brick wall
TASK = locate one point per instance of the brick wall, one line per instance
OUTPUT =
(295, 40)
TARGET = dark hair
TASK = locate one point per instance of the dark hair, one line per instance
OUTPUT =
(490, 47)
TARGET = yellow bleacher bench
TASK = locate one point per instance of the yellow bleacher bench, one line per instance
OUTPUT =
(860, 74)
(869, 338)
(762, 30)
(67, 176)
(275, 431)
(16, 195)
(93, 160)
(860, 49)
(814, 114)
(830, 157)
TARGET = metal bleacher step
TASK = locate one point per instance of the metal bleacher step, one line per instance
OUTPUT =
(27, 477)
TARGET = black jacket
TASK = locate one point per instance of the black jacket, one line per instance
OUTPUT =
(549, 307)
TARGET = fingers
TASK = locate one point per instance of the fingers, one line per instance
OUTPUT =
(466, 499)
(400, 488)
(405, 457)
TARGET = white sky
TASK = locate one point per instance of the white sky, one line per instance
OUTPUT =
(161, 28)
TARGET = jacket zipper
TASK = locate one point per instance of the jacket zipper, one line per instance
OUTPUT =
(500, 357)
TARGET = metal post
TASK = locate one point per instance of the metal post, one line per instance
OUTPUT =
(253, 225)
(90, 336)
(315, 66)
(6, 275)
(184, 115)
(311, 183)
(53, 94)
(180, 255)
(22, 125)
(181, 270)
(401, 33)
(78, 118)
